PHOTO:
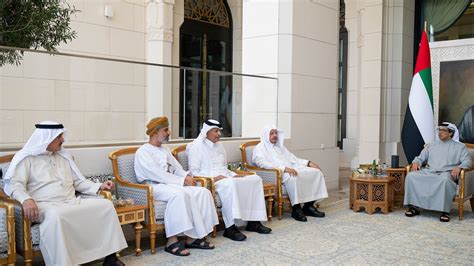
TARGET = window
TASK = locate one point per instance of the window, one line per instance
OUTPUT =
(205, 43)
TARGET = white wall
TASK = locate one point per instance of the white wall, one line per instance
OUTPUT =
(98, 101)
(379, 77)
(297, 42)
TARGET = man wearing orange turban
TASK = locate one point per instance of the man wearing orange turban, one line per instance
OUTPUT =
(190, 210)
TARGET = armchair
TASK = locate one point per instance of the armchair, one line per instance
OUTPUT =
(7, 232)
(127, 186)
(27, 233)
(465, 187)
(269, 176)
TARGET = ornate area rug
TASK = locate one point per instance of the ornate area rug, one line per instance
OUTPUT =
(343, 237)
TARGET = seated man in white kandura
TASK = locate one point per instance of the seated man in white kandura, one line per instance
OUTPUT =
(433, 187)
(303, 179)
(242, 196)
(190, 210)
(44, 178)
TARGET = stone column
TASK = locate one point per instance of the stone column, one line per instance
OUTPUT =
(297, 42)
(159, 39)
(379, 75)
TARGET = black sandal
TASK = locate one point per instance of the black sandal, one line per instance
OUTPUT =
(444, 217)
(199, 244)
(412, 212)
(177, 252)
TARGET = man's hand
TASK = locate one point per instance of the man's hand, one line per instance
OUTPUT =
(107, 185)
(189, 181)
(219, 177)
(314, 165)
(291, 171)
(30, 209)
(455, 172)
(415, 167)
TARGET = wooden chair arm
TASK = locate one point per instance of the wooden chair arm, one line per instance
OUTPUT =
(11, 201)
(203, 180)
(134, 185)
(150, 201)
(10, 227)
(276, 170)
(106, 194)
(210, 183)
(462, 174)
(3, 194)
(242, 172)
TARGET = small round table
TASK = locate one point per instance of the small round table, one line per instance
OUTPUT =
(371, 192)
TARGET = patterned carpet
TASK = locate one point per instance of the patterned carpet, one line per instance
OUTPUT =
(343, 237)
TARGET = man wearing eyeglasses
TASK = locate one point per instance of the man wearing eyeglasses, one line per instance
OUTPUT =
(433, 186)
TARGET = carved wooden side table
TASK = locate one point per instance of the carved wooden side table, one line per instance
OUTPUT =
(133, 215)
(371, 192)
(269, 193)
(398, 184)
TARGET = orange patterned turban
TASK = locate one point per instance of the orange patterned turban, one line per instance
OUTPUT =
(156, 124)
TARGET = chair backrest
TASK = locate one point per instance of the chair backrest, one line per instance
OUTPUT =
(246, 151)
(470, 148)
(123, 164)
(180, 154)
(4, 164)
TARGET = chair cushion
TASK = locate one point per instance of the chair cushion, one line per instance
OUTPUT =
(35, 235)
(3, 231)
(284, 192)
(3, 242)
(126, 164)
(4, 167)
(183, 160)
(218, 201)
(160, 208)
(249, 154)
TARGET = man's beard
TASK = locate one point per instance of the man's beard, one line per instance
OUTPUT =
(165, 139)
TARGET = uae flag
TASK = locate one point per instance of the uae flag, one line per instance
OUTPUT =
(419, 126)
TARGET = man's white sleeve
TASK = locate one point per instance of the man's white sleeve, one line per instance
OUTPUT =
(261, 161)
(147, 169)
(301, 162)
(194, 161)
(18, 182)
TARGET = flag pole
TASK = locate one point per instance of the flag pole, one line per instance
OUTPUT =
(425, 25)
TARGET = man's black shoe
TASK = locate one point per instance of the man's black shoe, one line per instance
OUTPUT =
(257, 227)
(112, 260)
(312, 211)
(299, 215)
(234, 233)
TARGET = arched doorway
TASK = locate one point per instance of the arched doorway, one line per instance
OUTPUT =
(206, 43)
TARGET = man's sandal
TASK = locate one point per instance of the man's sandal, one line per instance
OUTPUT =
(179, 249)
(444, 217)
(200, 244)
(412, 212)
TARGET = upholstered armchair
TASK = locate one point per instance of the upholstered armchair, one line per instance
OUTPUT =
(27, 234)
(465, 187)
(269, 176)
(7, 231)
(127, 186)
